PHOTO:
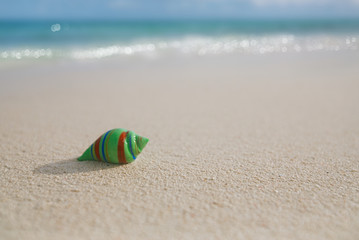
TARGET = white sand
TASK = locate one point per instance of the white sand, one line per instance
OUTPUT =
(241, 147)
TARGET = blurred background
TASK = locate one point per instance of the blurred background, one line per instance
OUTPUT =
(95, 29)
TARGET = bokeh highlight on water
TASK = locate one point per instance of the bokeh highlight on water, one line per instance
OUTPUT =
(102, 39)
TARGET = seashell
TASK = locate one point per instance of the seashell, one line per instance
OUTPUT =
(115, 146)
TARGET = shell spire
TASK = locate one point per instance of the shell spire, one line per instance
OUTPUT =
(115, 146)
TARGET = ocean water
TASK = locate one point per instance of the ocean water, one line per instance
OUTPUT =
(103, 39)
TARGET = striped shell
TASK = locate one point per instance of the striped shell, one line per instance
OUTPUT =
(115, 146)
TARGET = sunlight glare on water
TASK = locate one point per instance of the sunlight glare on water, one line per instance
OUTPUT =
(56, 27)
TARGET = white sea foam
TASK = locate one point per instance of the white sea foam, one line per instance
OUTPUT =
(197, 46)
(26, 53)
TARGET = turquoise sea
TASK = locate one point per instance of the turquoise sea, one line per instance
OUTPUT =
(44, 39)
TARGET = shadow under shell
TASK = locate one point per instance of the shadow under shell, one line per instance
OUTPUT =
(71, 166)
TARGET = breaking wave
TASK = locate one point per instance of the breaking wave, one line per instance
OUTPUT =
(196, 45)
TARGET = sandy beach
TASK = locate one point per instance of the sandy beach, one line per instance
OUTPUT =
(241, 147)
